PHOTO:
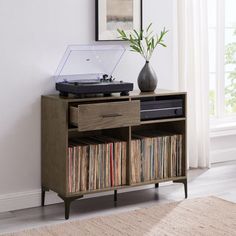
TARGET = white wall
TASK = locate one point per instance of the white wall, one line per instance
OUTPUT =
(33, 36)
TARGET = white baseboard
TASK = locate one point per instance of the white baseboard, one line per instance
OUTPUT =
(29, 199)
(223, 155)
(23, 200)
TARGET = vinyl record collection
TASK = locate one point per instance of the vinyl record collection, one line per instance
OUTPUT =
(156, 157)
(96, 163)
(101, 162)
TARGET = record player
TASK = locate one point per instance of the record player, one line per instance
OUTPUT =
(88, 69)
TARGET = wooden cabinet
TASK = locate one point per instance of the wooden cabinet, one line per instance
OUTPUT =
(117, 118)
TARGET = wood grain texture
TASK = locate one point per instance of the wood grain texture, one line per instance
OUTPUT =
(115, 118)
(54, 144)
(105, 115)
(132, 95)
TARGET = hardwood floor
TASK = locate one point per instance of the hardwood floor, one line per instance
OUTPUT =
(219, 181)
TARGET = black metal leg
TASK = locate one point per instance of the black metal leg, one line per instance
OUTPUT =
(42, 197)
(115, 195)
(185, 182)
(157, 185)
(67, 202)
(43, 190)
(185, 188)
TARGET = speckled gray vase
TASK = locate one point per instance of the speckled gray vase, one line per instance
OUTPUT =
(147, 79)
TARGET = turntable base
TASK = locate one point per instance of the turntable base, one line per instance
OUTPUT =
(105, 88)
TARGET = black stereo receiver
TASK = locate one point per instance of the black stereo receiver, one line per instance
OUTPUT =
(157, 109)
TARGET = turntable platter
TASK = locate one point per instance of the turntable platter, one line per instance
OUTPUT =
(83, 82)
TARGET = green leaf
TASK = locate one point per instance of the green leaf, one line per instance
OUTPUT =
(135, 48)
(149, 27)
(152, 43)
(141, 35)
(137, 34)
(144, 42)
(162, 44)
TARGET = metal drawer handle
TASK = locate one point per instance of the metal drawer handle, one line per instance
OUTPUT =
(111, 115)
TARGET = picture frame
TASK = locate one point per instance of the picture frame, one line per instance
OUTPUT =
(117, 14)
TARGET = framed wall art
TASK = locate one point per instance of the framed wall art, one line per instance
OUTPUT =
(117, 14)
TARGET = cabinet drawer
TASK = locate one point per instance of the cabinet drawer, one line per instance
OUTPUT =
(105, 115)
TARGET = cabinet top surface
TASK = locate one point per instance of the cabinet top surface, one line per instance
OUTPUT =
(132, 95)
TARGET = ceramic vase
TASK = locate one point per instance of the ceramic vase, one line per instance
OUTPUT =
(147, 79)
